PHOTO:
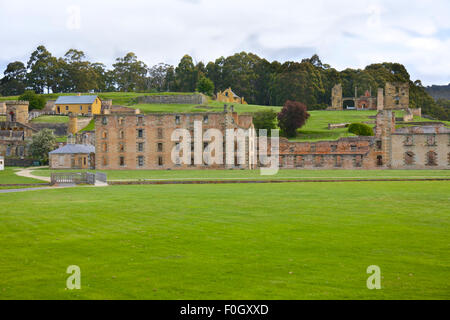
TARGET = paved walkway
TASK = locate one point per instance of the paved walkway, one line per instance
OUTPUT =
(27, 173)
(33, 189)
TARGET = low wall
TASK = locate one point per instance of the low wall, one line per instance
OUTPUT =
(332, 126)
(195, 98)
(15, 162)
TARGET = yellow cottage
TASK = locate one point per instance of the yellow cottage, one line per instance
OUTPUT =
(229, 96)
(78, 105)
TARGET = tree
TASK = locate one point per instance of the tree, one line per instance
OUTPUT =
(292, 117)
(36, 101)
(130, 73)
(265, 120)
(41, 70)
(186, 75)
(14, 81)
(41, 144)
(205, 86)
(158, 74)
(169, 81)
(79, 74)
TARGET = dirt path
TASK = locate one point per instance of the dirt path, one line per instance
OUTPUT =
(27, 173)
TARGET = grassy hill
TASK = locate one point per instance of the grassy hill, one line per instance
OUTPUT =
(316, 129)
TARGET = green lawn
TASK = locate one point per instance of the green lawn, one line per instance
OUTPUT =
(283, 174)
(90, 126)
(258, 241)
(8, 176)
(51, 119)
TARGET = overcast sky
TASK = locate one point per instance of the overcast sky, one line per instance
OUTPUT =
(345, 34)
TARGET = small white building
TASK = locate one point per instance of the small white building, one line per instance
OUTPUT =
(2, 163)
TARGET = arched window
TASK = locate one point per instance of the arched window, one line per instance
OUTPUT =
(121, 134)
(105, 134)
(431, 158)
(379, 161)
(409, 158)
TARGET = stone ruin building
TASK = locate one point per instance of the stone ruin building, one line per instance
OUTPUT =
(15, 132)
(137, 141)
(395, 96)
(413, 147)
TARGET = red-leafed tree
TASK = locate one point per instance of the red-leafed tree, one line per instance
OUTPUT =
(293, 116)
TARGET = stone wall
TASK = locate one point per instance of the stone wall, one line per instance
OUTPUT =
(15, 162)
(196, 98)
(345, 153)
(59, 129)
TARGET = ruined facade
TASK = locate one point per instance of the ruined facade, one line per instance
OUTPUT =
(15, 131)
(127, 141)
(336, 97)
(394, 97)
(416, 147)
(345, 153)
(425, 147)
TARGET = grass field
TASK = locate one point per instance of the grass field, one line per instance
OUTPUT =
(259, 241)
(8, 176)
(283, 174)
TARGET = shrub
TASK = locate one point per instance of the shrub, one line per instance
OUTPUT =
(360, 129)
(36, 101)
(292, 116)
(319, 106)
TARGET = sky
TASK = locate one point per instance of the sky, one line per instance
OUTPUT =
(345, 34)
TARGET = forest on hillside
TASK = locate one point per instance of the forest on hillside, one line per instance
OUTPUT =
(260, 81)
(439, 92)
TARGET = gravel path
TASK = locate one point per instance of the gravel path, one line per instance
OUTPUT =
(27, 173)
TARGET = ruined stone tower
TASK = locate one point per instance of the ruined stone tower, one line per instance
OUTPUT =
(396, 95)
(380, 99)
(17, 111)
(385, 126)
(336, 97)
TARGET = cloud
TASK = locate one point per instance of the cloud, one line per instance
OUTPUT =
(344, 33)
